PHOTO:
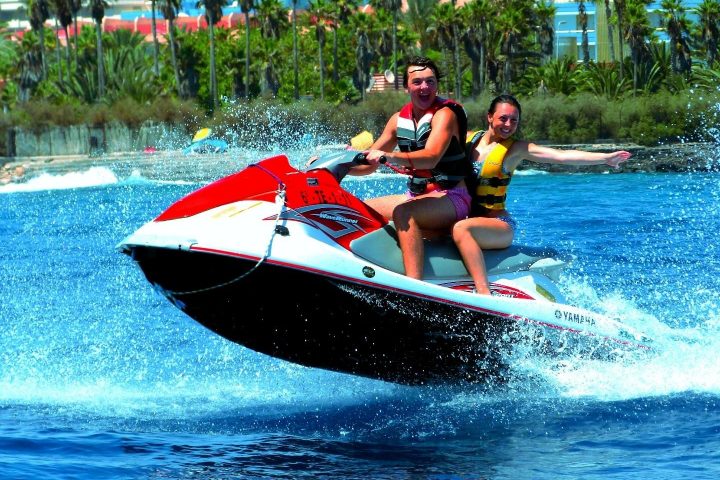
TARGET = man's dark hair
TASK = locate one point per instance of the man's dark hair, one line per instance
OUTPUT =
(421, 63)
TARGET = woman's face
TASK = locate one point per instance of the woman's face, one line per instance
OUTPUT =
(422, 86)
(504, 122)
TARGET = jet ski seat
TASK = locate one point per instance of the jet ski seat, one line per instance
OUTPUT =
(442, 259)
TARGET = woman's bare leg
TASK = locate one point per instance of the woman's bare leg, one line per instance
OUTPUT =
(471, 236)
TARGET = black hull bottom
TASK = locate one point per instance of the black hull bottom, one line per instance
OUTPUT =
(331, 324)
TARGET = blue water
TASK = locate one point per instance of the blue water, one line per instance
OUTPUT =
(102, 378)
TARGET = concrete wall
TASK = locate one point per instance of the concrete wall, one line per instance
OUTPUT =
(86, 140)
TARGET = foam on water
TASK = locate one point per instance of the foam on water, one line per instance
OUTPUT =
(137, 178)
(683, 359)
(92, 177)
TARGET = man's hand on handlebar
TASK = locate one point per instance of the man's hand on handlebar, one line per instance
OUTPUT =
(375, 157)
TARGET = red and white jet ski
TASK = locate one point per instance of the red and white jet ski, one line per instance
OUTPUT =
(288, 263)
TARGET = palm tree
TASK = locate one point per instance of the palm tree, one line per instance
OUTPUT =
(418, 18)
(479, 16)
(611, 36)
(444, 19)
(64, 15)
(75, 6)
(296, 72)
(245, 7)
(9, 60)
(213, 14)
(392, 6)
(545, 12)
(709, 21)
(30, 74)
(678, 29)
(637, 31)
(339, 13)
(602, 80)
(169, 9)
(456, 51)
(8, 55)
(273, 23)
(512, 24)
(582, 16)
(39, 13)
(97, 11)
(362, 24)
(156, 45)
(620, 12)
(380, 36)
(318, 12)
(273, 18)
(269, 81)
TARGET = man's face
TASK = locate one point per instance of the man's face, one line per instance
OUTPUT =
(422, 86)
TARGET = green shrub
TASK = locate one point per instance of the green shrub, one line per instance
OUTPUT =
(271, 123)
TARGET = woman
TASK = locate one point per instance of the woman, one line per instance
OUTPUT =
(498, 155)
(430, 133)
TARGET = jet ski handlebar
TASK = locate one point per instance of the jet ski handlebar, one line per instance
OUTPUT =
(340, 163)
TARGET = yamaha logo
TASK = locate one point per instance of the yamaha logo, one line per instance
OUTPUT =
(369, 272)
(574, 317)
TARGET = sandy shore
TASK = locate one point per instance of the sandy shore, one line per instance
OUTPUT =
(686, 157)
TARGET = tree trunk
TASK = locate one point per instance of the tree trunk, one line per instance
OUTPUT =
(611, 40)
(296, 73)
(173, 55)
(58, 58)
(68, 62)
(335, 75)
(41, 40)
(322, 72)
(620, 45)
(100, 61)
(75, 40)
(456, 61)
(213, 74)
(156, 46)
(247, 55)
(394, 46)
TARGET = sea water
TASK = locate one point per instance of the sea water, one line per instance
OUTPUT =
(100, 377)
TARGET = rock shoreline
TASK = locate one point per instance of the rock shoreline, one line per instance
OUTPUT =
(681, 157)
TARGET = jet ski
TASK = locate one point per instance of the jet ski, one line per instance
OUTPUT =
(286, 262)
(203, 142)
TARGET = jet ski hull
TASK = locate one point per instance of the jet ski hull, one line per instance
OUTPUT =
(331, 323)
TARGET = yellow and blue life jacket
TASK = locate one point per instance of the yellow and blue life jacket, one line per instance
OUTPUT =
(488, 186)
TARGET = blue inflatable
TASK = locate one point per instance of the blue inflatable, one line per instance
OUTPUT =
(209, 145)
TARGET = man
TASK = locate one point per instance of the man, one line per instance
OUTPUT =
(429, 133)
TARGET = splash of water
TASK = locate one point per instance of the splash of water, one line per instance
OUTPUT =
(93, 177)
(148, 383)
